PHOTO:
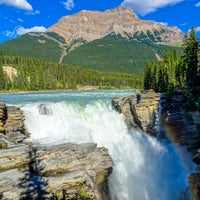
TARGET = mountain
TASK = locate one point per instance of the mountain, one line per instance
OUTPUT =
(49, 46)
(92, 25)
(114, 40)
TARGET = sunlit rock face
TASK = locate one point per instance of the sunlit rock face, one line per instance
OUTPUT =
(43, 171)
(140, 110)
(91, 25)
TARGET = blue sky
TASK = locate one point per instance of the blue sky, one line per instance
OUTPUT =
(18, 17)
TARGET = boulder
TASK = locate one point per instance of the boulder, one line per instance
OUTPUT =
(44, 110)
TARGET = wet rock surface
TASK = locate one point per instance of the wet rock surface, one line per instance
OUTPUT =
(184, 128)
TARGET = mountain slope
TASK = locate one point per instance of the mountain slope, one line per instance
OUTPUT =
(49, 46)
(114, 40)
(115, 53)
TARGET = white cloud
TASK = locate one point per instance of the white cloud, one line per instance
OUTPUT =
(197, 29)
(183, 24)
(144, 7)
(21, 4)
(69, 4)
(33, 12)
(20, 20)
(163, 23)
(21, 30)
(197, 4)
(9, 33)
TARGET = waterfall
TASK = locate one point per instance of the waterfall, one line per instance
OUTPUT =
(144, 168)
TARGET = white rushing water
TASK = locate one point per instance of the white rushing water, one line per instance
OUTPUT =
(144, 168)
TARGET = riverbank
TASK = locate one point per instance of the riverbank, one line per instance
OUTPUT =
(48, 91)
(82, 88)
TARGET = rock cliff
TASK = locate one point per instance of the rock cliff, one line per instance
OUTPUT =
(67, 170)
(194, 178)
(90, 25)
(140, 110)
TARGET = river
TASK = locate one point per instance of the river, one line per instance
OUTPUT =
(144, 167)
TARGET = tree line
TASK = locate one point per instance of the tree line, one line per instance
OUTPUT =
(33, 74)
(176, 71)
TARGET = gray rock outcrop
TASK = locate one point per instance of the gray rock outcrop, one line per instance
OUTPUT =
(12, 128)
(80, 169)
(140, 110)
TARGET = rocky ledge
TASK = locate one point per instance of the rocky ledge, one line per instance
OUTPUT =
(140, 110)
(12, 129)
(65, 171)
(73, 169)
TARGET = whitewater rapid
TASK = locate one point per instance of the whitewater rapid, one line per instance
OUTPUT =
(144, 168)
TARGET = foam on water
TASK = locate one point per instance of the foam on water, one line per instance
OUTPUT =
(144, 168)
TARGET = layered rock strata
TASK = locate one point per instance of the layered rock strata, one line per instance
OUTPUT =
(12, 129)
(80, 169)
(140, 110)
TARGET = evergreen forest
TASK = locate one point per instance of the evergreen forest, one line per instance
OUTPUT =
(176, 72)
(178, 75)
(33, 74)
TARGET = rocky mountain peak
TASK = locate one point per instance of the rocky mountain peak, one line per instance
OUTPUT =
(122, 11)
(91, 25)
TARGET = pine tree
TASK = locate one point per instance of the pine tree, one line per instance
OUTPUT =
(150, 75)
(191, 59)
(2, 78)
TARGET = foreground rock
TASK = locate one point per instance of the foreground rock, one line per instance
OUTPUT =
(66, 169)
(140, 110)
(12, 129)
